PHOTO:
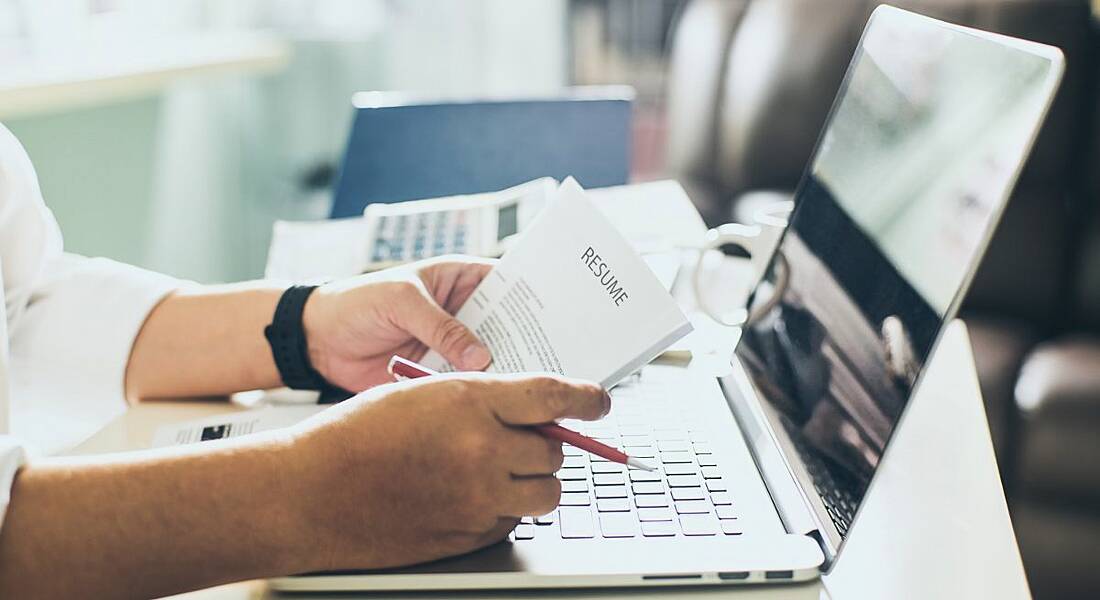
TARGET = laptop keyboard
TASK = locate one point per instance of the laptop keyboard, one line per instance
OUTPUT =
(601, 499)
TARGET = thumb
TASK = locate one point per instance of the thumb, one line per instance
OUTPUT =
(440, 331)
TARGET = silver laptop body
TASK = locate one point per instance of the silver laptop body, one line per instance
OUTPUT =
(764, 471)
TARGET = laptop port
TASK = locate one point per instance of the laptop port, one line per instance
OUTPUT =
(779, 575)
(734, 575)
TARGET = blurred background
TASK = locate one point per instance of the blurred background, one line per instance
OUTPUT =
(172, 133)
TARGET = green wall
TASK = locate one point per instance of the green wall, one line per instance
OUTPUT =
(95, 169)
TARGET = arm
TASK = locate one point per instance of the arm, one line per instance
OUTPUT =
(205, 341)
(152, 523)
(209, 340)
(161, 522)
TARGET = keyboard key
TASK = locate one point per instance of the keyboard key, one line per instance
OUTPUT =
(655, 514)
(628, 430)
(573, 485)
(608, 479)
(720, 498)
(568, 450)
(630, 441)
(732, 527)
(575, 523)
(677, 457)
(693, 507)
(574, 499)
(547, 519)
(651, 501)
(648, 487)
(716, 485)
(611, 491)
(676, 481)
(637, 476)
(673, 446)
(524, 531)
(668, 434)
(697, 436)
(573, 475)
(707, 460)
(606, 467)
(598, 459)
(600, 432)
(725, 512)
(698, 524)
(574, 461)
(688, 494)
(642, 452)
(659, 529)
(618, 525)
(681, 469)
(527, 520)
(711, 473)
(613, 505)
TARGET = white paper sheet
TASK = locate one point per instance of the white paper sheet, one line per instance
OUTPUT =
(572, 297)
(232, 425)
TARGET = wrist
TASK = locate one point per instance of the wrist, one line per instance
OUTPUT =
(312, 324)
(317, 502)
(290, 342)
(293, 505)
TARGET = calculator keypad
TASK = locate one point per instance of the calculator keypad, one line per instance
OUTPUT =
(420, 235)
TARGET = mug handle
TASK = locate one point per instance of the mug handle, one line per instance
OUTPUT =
(744, 237)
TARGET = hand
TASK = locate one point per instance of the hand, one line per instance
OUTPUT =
(434, 467)
(355, 325)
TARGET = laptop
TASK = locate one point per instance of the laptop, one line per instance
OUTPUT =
(763, 471)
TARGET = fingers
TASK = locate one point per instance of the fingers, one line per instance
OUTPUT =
(436, 328)
(529, 453)
(452, 279)
(532, 496)
(468, 280)
(533, 400)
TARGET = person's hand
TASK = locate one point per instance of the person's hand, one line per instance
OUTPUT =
(353, 326)
(433, 467)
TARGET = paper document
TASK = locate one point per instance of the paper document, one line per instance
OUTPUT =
(571, 297)
(231, 425)
(317, 251)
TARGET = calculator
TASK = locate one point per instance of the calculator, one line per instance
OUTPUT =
(476, 224)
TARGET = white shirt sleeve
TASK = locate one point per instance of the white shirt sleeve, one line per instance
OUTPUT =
(71, 323)
(71, 345)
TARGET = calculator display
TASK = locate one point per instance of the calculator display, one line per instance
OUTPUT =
(507, 221)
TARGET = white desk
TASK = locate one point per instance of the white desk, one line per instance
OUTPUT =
(934, 525)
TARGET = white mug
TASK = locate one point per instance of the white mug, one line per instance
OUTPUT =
(759, 241)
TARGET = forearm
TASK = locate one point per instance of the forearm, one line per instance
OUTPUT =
(203, 342)
(153, 523)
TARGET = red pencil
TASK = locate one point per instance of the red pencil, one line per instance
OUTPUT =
(403, 368)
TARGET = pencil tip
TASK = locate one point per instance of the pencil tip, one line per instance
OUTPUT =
(641, 464)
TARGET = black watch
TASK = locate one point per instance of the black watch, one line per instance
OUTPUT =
(287, 338)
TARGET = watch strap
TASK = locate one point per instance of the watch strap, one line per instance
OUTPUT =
(287, 338)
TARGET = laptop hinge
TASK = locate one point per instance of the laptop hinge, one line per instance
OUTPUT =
(786, 493)
(782, 488)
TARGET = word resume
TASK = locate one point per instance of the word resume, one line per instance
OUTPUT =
(571, 297)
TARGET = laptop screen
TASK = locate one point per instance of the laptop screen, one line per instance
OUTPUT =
(910, 174)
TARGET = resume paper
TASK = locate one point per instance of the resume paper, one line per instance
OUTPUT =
(571, 297)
